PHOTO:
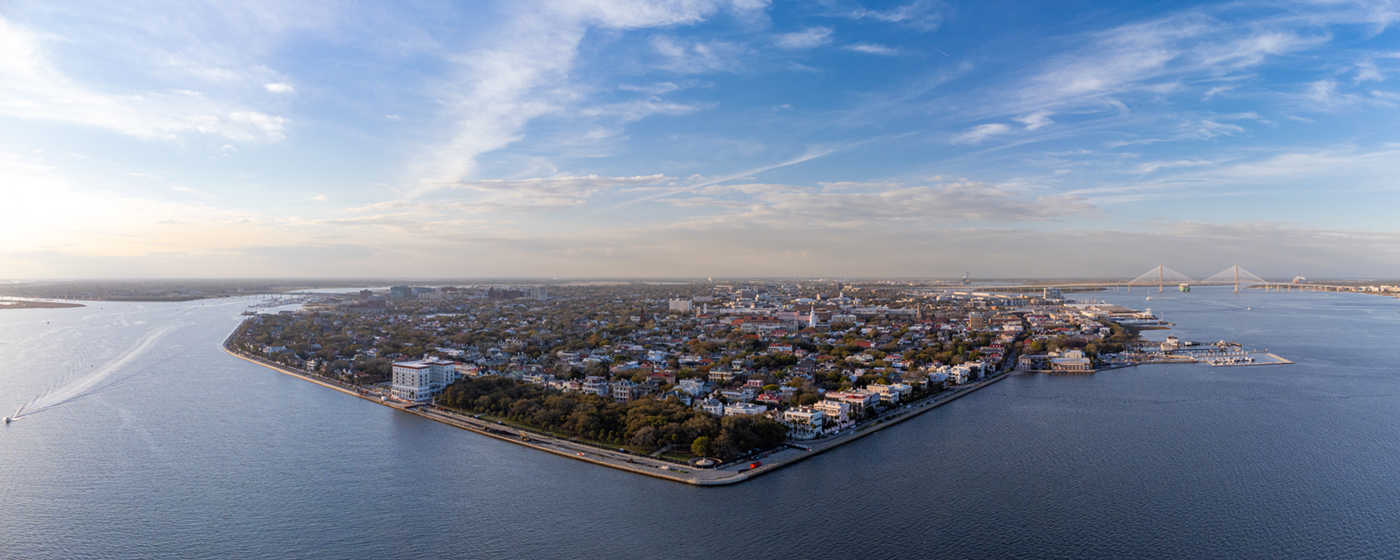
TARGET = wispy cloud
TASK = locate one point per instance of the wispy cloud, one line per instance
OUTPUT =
(699, 183)
(1206, 129)
(524, 73)
(860, 205)
(1149, 57)
(981, 132)
(920, 14)
(518, 132)
(1366, 71)
(684, 56)
(280, 88)
(1326, 95)
(873, 48)
(31, 87)
(521, 195)
(633, 111)
(573, 187)
(806, 39)
(651, 89)
(1036, 120)
(1148, 167)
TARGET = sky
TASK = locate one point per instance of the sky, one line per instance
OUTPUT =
(698, 138)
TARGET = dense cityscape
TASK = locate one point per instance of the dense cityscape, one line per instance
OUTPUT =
(683, 370)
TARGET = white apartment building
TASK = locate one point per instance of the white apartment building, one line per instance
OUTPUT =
(743, 408)
(744, 394)
(721, 375)
(692, 386)
(712, 406)
(595, 385)
(419, 381)
(804, 422)
(835, 414)
(682, 305)
(859, 400)
(890, 393)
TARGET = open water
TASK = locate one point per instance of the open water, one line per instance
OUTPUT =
(145, 440)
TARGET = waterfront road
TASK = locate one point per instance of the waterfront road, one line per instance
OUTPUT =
(730, 473)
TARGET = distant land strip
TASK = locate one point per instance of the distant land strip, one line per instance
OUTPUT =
(12, 304)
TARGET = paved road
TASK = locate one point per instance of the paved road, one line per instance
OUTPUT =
(730, 473)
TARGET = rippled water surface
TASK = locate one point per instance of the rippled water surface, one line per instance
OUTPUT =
(152, 443)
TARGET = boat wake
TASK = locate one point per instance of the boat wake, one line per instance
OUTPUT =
(85, 385)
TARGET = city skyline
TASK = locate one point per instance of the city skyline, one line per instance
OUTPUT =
(697, 138)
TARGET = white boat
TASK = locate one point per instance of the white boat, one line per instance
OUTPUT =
(7, 419)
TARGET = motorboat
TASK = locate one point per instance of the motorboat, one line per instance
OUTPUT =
(8, 419)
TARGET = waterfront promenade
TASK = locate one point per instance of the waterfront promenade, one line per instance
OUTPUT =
(725, 474)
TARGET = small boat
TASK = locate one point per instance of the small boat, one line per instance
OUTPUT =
(8, 419)
(1149, 298)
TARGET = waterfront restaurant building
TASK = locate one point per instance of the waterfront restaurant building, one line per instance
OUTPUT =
(419, 381)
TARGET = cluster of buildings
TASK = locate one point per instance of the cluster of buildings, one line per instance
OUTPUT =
(839, 410)
(816, 355)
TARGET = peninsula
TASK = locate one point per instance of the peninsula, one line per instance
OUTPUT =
(699, 383)
(696, 382)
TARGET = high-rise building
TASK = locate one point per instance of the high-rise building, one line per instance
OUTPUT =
(419, 381)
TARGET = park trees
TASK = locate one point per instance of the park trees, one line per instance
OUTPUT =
(700, 447)
(645, 424)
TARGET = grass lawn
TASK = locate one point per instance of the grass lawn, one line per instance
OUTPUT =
(678, 455)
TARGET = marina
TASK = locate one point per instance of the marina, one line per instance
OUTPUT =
(1224, 354)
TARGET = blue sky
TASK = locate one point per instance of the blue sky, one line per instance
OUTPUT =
(698, 138)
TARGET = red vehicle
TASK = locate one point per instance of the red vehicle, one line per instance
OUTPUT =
(755, 464)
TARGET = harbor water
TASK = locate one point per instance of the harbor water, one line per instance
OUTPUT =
(143, 439)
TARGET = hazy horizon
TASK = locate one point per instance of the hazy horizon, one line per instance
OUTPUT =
(698, 138)
(385, 281)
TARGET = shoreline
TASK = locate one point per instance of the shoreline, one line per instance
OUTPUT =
(726, 474)
(27, 304)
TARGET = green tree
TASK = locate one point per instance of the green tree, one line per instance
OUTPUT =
(701, 446)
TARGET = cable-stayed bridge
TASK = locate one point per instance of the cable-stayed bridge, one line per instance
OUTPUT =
(1161, 276)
